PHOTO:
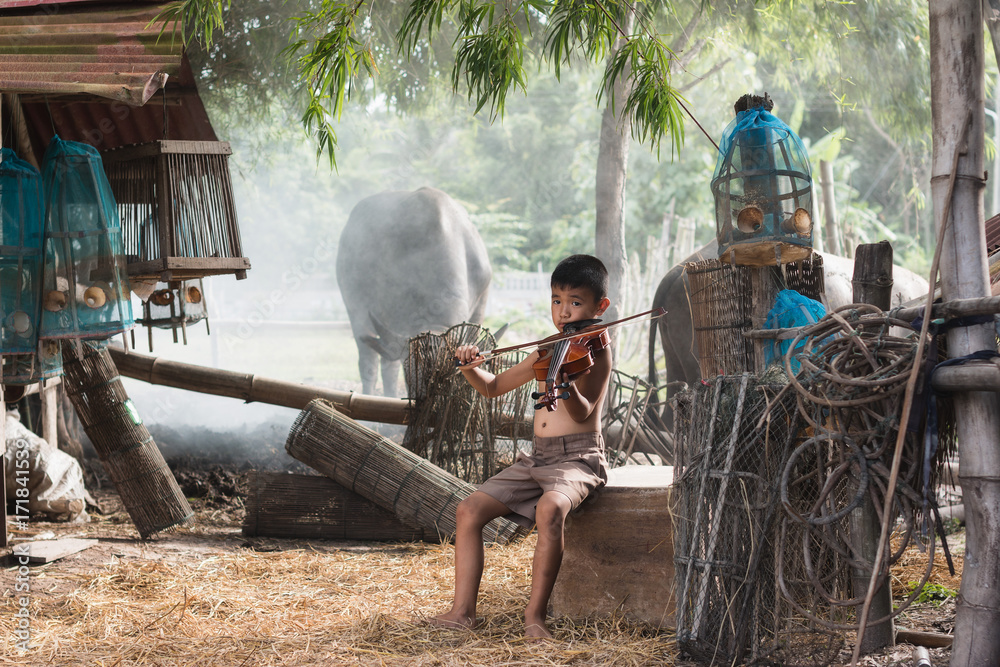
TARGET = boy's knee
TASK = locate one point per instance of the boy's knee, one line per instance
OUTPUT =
(465, 510)
(551, 511)
(471, 510)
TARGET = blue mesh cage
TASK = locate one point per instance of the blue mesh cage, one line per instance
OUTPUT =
(46, 363)
(85, 290)
(762, 183)
(20, 254)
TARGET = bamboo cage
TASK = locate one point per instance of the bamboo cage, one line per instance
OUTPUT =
(127, 451)
(728, 300)
(763, 189)
(178, 215)
(316, 507)
(419, 493)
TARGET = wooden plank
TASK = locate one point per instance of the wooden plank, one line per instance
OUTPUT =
(919, 638)
(184, 268)
(46, 551)
(156, 148)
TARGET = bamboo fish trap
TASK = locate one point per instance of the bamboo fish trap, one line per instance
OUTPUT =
(131, 458)
(726, 509)
(419, 493)
(314, 506)
(453, 426)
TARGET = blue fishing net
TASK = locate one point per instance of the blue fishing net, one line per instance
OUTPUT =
(20, 253)
(791, 309)
(85, 291)
(761, 129)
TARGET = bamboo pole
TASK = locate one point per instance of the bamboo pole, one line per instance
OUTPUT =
(957, 85)
(252, 388)
(974, 376)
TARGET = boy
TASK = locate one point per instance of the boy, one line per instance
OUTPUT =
(567, 463)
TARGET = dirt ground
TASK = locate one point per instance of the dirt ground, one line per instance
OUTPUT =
(203, 594)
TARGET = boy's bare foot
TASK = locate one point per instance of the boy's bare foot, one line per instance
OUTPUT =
(536, 631)
(453, 621)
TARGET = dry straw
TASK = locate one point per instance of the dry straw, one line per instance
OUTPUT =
(349, 606)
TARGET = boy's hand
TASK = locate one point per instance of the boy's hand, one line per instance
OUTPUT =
(467, 356)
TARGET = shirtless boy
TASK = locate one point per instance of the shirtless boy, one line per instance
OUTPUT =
(567, 463)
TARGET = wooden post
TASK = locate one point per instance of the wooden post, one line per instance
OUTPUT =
(3, 469)
(49, 393)
(957, 93)
(873, 285)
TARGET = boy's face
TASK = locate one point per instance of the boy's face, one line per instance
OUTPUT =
(572, 304)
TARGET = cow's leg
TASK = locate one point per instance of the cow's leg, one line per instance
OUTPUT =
(390, 376)
(368, 367)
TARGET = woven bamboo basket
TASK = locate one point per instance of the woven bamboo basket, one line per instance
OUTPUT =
(314, 506)
(728, 300)
(419, 493)
(720, 313)
(127, 451)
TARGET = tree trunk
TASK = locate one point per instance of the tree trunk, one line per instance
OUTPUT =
(830, 230)
(612, 164)
(957, 90)
(612, 167)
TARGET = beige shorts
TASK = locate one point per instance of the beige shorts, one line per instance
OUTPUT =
(573, 465)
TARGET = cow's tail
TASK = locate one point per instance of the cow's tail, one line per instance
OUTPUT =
(653, 325)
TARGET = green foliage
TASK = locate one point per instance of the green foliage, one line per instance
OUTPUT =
(330, 66)
(505, 237)
(491, 55)
(652, 104)
(491, 44)
(575, 23)
(197, 17)
(531, 178)
(933, 593)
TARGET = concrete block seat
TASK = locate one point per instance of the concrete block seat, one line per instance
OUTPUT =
(619, 556)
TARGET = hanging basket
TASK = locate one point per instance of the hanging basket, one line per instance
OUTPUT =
(174, 306)
(20, 254)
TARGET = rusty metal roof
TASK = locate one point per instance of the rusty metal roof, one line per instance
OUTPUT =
(109, 51)
(90, 64)
(993, 234)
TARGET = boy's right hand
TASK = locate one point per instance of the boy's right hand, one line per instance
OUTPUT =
(468, 356)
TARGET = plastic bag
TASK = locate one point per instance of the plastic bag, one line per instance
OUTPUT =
(55, 480)
(791, 309)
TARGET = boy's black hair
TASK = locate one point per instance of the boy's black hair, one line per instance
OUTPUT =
(582, 271)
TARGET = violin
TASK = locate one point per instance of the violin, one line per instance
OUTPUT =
(566, 356)
(570, 352)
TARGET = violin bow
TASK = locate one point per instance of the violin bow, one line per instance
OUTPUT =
(652, 315)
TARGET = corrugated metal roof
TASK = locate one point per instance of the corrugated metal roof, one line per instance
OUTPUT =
(108, 51)
(993, 233)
